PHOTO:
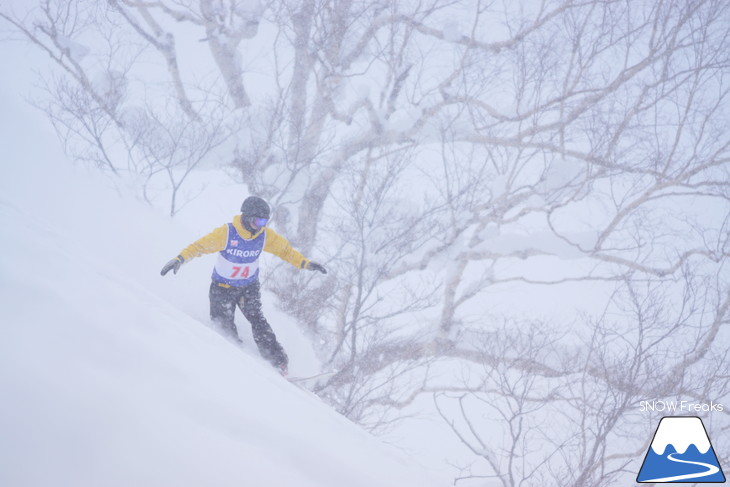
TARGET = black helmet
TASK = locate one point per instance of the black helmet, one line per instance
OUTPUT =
(256, 207)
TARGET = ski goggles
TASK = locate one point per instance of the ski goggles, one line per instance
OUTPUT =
(259, 222)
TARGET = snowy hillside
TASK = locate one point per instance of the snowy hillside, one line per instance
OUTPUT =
(110, 374)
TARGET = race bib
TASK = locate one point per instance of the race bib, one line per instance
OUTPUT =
(235, 271)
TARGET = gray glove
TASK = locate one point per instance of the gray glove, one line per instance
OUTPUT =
(313, 266)
(173, 265)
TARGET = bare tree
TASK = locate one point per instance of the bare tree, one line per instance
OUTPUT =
(173, 145)
(102, 101)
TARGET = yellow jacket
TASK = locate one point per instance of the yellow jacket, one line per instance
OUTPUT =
(216, 241)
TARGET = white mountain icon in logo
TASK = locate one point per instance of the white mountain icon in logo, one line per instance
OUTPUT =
(681, 451)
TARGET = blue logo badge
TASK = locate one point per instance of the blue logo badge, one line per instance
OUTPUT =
(681, 452)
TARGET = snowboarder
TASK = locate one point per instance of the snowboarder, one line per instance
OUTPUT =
(236, 273)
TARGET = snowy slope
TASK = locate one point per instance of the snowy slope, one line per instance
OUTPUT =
(109, 374)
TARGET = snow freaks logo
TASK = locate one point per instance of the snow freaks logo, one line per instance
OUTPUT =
(680, 406)
(681, 452)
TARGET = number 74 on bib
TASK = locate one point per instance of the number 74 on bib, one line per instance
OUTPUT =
(240, 272)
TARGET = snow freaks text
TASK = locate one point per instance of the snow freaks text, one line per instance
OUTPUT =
(679, 406)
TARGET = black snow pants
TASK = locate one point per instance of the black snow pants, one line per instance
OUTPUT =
(223, 302)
